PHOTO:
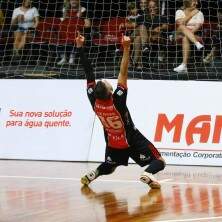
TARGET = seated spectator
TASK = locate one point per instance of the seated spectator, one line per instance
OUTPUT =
(137, 55)
(132, 29)
(73, 9)
(188, 20)
(215, 39)
(25, 19)
(2, 19)
(142, 7)
(151, 28)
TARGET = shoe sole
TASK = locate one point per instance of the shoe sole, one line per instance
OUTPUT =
(85, 181)
(152, 184)
(181, 72)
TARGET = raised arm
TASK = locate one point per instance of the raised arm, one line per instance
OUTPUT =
(84, 60)
(123, 74)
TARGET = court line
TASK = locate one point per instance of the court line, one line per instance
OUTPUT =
(75, 179)
(164, 181)
(191, 219)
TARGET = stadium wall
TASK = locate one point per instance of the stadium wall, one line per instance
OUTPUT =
(53, 120)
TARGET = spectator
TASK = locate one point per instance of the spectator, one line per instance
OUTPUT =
(133, 31)
(152, 27)
(2, 19)
(188, 20)
(73, 9)
(24, 18)
(142, 7)
(138, 16)
(216, 36)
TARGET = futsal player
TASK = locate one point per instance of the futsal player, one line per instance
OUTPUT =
(123, 139)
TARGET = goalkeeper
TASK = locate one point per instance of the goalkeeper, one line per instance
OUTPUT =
(122, 138)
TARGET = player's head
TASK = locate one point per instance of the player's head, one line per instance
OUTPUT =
(26, 3)
(103, 90)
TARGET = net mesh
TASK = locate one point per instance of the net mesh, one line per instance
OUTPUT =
(48, 50)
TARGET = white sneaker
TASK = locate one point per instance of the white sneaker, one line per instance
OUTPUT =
(149, 179)
(88, 178)
(62, 61)
(181, 68)
(199, 46)
(208, 59)
(71, 60)
(160, 56)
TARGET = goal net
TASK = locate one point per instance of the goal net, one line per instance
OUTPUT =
(37, 38)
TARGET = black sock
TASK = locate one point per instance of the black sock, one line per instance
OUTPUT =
(155, 166)
(105, 169)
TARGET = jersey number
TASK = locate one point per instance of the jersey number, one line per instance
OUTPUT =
(113, 122)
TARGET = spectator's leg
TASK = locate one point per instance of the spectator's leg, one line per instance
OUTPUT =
(187, 33)
(186, 50)
(137, 51)
(71, 51)
(143, 35)
(17, 40)
(61, 51)
(22, 42)
(190, 35)
(210, 56)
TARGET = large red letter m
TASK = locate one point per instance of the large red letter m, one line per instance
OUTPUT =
(164, 123)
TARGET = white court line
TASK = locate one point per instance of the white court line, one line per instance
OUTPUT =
(75, 179)
(164, 181)
(192, 219)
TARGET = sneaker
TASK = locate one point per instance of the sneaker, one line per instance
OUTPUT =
(145, 50)
(88, 178)
(149, 179)
(199, 46)
(71, 59)
(208, 59)
(160, 56)
(181, 68)
(62, 61)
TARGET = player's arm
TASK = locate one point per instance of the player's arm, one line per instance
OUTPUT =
(123, 74)
(84, 60)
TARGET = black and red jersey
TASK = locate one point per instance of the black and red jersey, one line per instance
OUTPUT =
(114, 116)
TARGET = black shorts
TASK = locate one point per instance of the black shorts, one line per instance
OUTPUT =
(141, 150)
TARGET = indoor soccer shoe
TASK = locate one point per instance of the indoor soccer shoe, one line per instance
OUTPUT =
(88, 178)
(149, 179)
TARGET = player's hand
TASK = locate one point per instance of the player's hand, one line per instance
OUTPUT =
(126, 42)
(80, 40)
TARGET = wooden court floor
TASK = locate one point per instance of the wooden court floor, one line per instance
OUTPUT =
(40, 191)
